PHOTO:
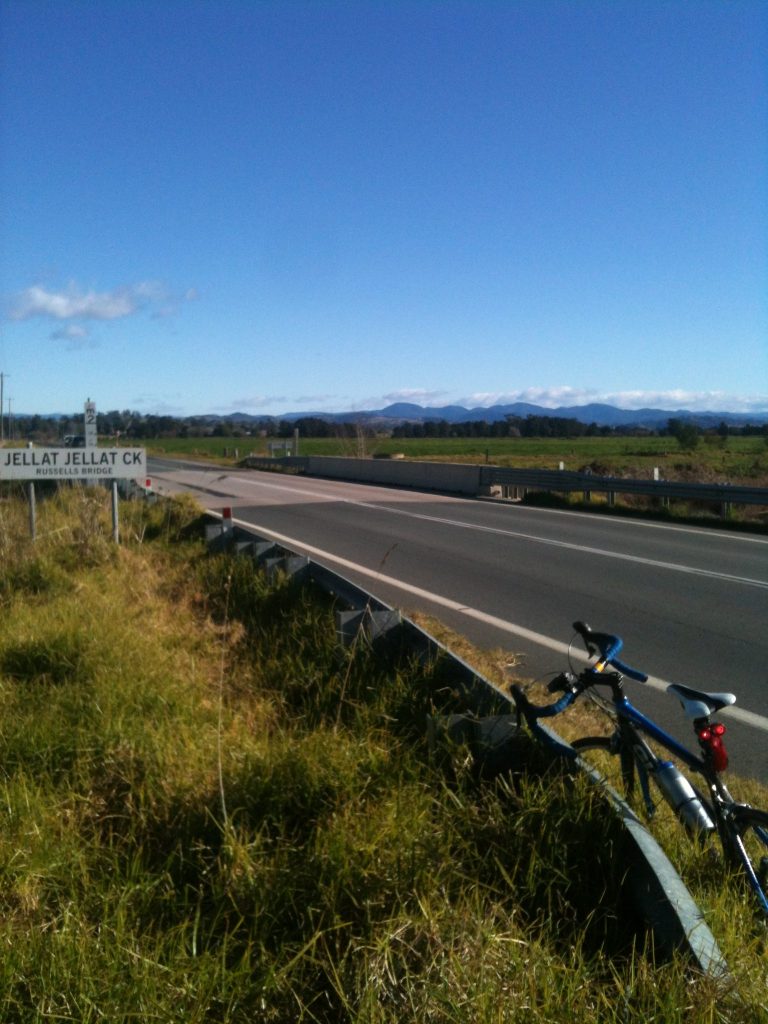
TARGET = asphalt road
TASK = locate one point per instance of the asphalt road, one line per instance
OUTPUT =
(691, 604)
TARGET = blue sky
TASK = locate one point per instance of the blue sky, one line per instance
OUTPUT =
(319, 205)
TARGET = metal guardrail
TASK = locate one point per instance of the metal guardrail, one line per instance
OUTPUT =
(513, 483)
(489, 728)
(564, 481)
(282, 463)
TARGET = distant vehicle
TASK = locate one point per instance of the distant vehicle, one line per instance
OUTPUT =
(74, 441)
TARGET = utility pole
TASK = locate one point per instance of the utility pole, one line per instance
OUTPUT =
(2, 410)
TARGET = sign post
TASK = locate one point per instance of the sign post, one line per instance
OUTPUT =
(32, 511)
(115, 523)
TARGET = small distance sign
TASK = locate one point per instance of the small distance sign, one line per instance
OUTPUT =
(91, 438)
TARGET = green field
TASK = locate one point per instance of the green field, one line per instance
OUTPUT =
(733, 460)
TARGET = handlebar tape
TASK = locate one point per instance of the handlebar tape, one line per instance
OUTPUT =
(625, 670)
(608, 646)
(534, 711)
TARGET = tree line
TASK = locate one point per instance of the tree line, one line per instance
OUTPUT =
(511, 426)
(685, 431)
(136, 426)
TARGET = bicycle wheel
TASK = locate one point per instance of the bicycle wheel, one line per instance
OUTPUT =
(609, 745)
(744, 831)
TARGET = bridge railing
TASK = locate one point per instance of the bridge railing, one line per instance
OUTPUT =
(515, 482)
(499, 481)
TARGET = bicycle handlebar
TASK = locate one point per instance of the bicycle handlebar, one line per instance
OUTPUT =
(604, 646)
(607, 646)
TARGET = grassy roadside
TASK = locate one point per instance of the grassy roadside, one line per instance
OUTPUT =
(211, 813)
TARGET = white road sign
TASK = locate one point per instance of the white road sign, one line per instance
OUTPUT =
(72, 463)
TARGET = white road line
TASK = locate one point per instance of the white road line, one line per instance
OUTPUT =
(616, 523)
(741, 715)
(532, 538)
(244, 477)
(586, 549)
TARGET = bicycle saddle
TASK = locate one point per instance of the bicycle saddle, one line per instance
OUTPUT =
(699, 703)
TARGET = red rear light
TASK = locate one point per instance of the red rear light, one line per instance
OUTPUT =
(710, 738)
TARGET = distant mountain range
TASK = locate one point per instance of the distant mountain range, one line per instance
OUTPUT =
(408, 412)
(602, 415)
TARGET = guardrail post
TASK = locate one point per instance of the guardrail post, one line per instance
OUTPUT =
(656, 478)
(587, 493)
(290, 565)
(371, 623)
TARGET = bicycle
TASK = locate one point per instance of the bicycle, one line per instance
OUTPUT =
(741, 829)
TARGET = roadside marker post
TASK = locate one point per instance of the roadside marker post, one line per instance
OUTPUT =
(115, 518)
(32, 508)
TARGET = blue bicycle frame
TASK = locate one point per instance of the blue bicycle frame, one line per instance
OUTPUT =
(623, 708)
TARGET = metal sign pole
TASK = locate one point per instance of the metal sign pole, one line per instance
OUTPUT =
(32, 512)
(115, 523)
(32, 505)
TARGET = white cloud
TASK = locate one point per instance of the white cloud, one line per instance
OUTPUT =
(254, 402)
(78, 337)
(695, 401)
(72, 333)
(166, 303)
(155, 406)
(307, 400)
(420, 396)
(74, 303)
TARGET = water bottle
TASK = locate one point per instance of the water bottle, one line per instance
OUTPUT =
(680, 795)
